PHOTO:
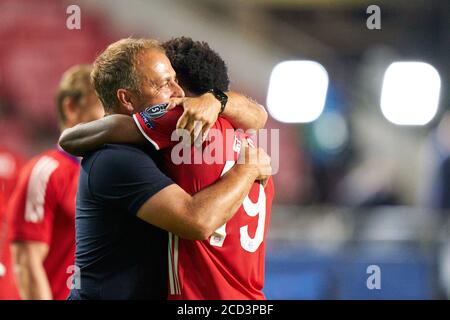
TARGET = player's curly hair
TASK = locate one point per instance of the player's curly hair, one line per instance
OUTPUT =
(198, 67)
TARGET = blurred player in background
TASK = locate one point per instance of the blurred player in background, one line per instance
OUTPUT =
(10, 164)
(43, 202)
(230, 263)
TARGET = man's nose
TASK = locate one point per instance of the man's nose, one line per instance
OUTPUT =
(177, 91)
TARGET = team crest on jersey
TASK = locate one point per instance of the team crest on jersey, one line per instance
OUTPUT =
(156, 111)
(153, 112)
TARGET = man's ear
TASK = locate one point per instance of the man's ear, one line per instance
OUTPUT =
(71, 112)
(125, 98)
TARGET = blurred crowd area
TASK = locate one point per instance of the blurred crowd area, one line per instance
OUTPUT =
(391, 183)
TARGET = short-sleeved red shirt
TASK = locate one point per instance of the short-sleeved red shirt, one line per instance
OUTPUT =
(43, 206)
(230, 264)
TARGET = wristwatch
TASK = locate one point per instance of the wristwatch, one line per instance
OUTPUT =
(221, 96)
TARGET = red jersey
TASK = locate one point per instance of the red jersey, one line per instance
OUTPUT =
(10, 164)
(43, 205)
(230, 264)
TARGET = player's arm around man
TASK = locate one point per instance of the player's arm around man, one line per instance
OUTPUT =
(201, 113)
(243, 113)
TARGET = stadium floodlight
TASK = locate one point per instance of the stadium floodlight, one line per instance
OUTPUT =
(410, 93)
(297, 91)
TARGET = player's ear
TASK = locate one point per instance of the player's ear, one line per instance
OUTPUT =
(125, 98)
(70, 110)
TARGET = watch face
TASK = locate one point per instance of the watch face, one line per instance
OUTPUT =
(220, 95)
(223, 97)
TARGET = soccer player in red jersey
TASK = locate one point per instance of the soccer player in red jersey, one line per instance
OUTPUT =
(43, 202)
(10, 164)
(230, 264)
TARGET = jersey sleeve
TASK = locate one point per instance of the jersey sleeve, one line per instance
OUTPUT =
(33, 202)
(135, 178)
(157, 126)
